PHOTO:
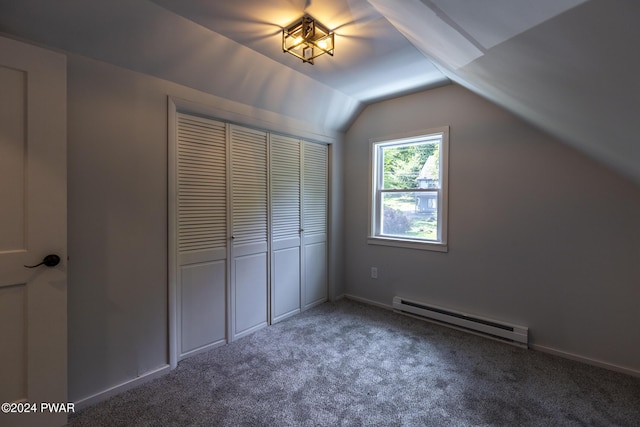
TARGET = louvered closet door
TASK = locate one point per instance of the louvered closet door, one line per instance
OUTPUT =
(285, 226)
(314, 215)
(249, 267)
(201, 233)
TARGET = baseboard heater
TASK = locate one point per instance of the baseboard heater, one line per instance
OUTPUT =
(512, 334)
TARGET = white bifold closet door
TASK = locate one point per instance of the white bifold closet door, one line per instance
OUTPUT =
(285, 226)
(201, 231)
(314, 224)
(249, 239)
(248, 214)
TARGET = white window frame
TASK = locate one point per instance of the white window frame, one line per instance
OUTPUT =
(375, 192)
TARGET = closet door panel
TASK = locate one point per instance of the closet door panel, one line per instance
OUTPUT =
(286, 291)
(286, 226)
(203, 303)
(314, 214)
(251, 292)
(201, 233)
(316, 272)
(249, 222)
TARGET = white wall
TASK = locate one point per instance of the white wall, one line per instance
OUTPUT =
(117, 204)
(539, 234)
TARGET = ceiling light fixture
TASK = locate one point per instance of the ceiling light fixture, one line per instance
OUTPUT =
(307, 39)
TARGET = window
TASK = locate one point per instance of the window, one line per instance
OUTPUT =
(408, 205)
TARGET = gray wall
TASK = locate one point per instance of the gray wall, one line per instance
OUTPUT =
(539, 234)
(117, 208)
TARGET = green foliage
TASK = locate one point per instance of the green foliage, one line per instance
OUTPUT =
(395, 222)
(402, 164)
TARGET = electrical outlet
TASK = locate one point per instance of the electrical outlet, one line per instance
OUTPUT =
(374, 272)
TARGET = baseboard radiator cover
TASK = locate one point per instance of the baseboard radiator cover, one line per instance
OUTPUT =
(511, 334)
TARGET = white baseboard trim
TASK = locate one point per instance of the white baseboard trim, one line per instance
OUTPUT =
(200, 350)
(120, 388)
(368, 301)
(248, 331)
(338, 298)
(313, 304)
(585, 360)
(286, 316)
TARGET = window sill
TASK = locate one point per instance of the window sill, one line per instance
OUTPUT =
(408, 244)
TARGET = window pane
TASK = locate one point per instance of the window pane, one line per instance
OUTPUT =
(412, 215)
(411, 166)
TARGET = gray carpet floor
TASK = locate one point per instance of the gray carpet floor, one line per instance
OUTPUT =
(351, 364)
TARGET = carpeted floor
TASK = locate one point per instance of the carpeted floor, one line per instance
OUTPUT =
(347, 363)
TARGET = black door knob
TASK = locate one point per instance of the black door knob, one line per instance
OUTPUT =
(50, 261)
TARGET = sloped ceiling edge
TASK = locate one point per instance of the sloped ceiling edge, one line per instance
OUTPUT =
(574, 76)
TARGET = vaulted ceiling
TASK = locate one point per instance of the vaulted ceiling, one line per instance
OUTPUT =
(570, 67)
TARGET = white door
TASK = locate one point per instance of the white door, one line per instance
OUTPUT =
(314, 220)
(285, 226)
(199, 237)
(33, 302)
(249, 243)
